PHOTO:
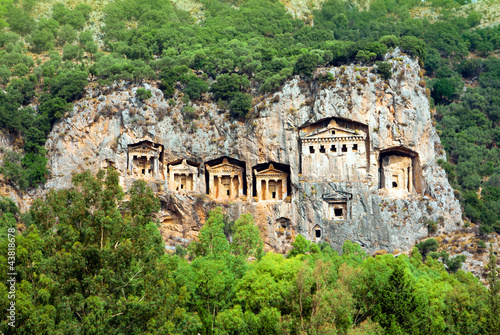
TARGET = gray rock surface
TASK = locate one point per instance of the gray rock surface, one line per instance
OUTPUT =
(396, 113)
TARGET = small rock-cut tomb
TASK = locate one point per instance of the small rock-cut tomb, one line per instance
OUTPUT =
(182, 176)
(144, 159)
(271, 184)
(396, 175)
(337, 205)
(225, 180)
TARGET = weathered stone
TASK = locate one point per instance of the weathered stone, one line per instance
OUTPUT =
(382, 119)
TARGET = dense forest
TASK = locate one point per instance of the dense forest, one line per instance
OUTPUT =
(91, 263)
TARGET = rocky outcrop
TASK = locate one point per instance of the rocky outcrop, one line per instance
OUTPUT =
(342, 201)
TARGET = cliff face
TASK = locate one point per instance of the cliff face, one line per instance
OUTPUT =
(353, 157)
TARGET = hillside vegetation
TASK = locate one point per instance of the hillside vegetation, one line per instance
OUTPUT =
(90, 262)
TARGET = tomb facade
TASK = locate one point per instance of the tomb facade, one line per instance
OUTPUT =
(336, 152)
(396, 175)
(183, 177)
(271, 184)
(338, 205)
(225, 180)
(145, 160)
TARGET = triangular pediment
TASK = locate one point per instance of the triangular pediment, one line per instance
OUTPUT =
(336, 196)
(143, 145)
(225, 165)
(183, 166)
(332, 131)
(270, 171)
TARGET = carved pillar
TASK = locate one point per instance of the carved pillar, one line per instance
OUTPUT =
(156, 166)
(131, 163)
(231, 188)
(222, 194)
(240, 186)
(211, 185)
(259, 188)
(410, 179)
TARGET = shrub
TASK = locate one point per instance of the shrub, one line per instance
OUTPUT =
(143, 94)
(71, 51)
(384, 69)
(240, 104)
(427, 246)
(69, 84)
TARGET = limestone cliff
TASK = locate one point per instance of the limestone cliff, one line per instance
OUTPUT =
(353, 157)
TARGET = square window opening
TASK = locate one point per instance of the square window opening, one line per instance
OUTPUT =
(333, 148)
(338, 211)
(344, 147)
(322, 149)
(318, 233)
(311, 149)
(333, 132)
(355, 147)
(394, 184)
(143, 171)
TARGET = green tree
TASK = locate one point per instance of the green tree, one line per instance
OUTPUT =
(195, 87)
(300, 246)
(143, 94)
(69, 84)
(427, 246)
(306, 64)
(67, 34)
(240, 104)
(41, 40)
(246, 240)
(385, 70)
(211, 241)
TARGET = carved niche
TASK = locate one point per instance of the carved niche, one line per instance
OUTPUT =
(225, 180)
(145, 160)
(271, 184)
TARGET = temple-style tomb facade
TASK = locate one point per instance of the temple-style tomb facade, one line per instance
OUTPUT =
(335, 152)
(271, 184)
(225, 180)
(182, 177)
(145, 159)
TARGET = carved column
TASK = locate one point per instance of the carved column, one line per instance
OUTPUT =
(222, 195)
(211, 185)
(240, 186)
(231, 188)
(258, 187)
(131, 163)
